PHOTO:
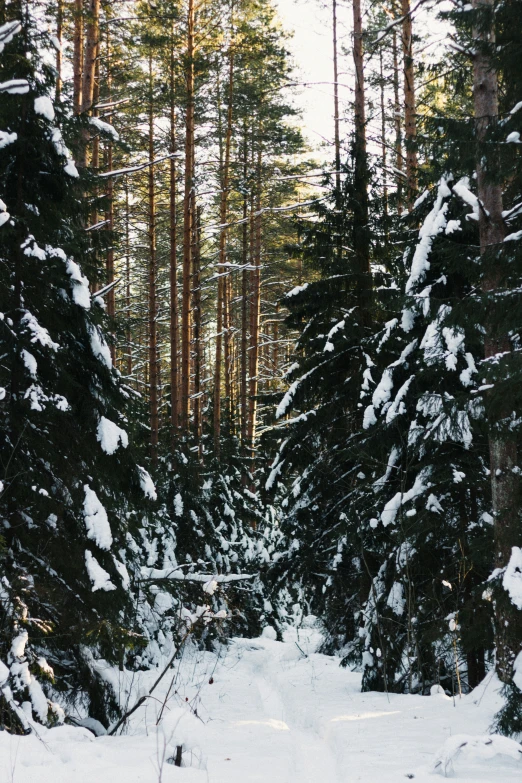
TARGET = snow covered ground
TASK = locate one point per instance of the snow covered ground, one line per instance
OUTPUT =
(268, 712)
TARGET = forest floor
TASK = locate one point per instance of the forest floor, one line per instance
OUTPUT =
(267, 712)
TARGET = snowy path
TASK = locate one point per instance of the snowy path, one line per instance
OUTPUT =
(268, 712)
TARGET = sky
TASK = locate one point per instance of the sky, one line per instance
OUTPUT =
(311, 47)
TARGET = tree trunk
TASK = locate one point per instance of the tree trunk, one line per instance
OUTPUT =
(89, 72)
(398, 129)
(244, 314)
(128, 283)
(78, 56)
(337, 140)
(196, 309)
(383, 145)
(174, 331)
(255, 315)
(187, 224)
(153, 305)
(502, 449)
(410, 123)
(360, 207)
(59, 38)
(223, 216)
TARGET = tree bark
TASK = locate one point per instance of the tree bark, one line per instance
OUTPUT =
(398, 129)
(255, 314)
(410, 122)
(360, 206)
(153, 304)
(174, 328)
(187, 224)
(78, 56)
(59, 38)
(337, 140)
(223, 216)
(502, 448)
(244, 308)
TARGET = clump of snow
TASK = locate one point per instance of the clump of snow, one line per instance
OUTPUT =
(39, 334)
(210, 587)
(6, 139)
(99, 347)
(147, 484)
(43, 105)
(18, 645)
(110, 436)
(433, 225)
(297, 290)
(178, 505)
(99, 577)
(512, 579)
(80, 288)
(105, 127)
(15, 87)
(96, 520)
(513, 138)
(480, 748)
(30, 363)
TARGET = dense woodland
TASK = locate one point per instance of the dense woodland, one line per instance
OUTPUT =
(243, 381)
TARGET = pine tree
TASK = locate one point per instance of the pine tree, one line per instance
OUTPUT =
(70, 485)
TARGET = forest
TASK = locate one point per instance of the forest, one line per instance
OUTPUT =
(257, 389)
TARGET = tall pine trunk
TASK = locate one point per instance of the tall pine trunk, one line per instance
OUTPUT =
(502, 448)
(78, 56)
(410, 122)
(361, 239)
(153, 304)
(398, 124)
(187, 223)
(337, 139)
(174, 328)
(222, 287)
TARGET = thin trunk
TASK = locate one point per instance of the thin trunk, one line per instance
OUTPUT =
(502, 448)
(187, 224)
(337, 140)
(128, 281)
(59, 38)
(383, 145)
(255, 315)
(244, 319)
(78, 56)
(397, 117)
(223, 213)
(153, 305)
(174, 329)
(91, 54)
(111, 299)
(360, 207)
(196, 309)
(410, 123)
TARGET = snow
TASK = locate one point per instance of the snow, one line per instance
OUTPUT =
(269, 712)
(6, 139)
(147, 484)
(110, 436)
(96, 520)
(297, 290)
(15, 87)
(43, 105)
(99, 347)
(513, 138)
(30, 363)
(178, 505)
(433, 225)
(39, 334)
(479, 748)
(99, 577)
(80, 285)
(512, 580)
(105, 127)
